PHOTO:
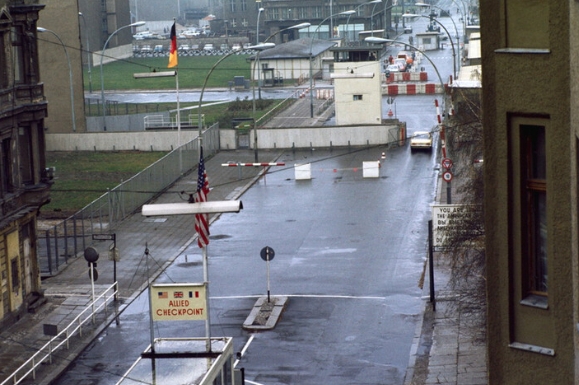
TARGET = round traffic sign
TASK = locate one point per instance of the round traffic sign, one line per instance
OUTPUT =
(91, 255)
(447, 176)
(267, 253)
(447, 163)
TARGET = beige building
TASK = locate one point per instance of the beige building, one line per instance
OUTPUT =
(357, 86)
(90, 24)
(531, 135)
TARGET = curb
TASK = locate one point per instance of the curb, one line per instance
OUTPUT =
(272, 314)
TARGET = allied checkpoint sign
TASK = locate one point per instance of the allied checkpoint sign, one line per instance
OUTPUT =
(448, 217)
(178, 302)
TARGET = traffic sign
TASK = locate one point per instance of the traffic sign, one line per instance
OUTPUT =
(447, 176)
(447, 163)
(267, 253)
(103, 237)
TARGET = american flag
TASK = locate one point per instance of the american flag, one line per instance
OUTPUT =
(202, 220)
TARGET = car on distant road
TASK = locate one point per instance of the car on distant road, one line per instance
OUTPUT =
(421, 140)
(393, 68)
(236, 47)
(209, 47)
(143, 35)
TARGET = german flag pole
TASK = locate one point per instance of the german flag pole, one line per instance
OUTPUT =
(173, 62)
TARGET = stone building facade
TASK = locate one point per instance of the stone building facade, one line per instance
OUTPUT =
(24, 179)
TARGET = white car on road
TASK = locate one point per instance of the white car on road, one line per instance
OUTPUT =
(421, 140)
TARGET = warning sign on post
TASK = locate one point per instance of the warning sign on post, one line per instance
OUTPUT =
(179, 302)
(448, 218)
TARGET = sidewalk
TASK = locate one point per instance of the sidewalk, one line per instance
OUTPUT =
(444, 350)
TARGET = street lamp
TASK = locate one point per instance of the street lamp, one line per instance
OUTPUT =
(378, 40)
(372, 16)
(350, 12)
(449, 37)
(259, 11)
(259, 48)
(88, 54)
(40, 29)
(137, 24)
(356, 9)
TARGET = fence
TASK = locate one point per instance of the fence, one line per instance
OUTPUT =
(68, 239)
(62, 339)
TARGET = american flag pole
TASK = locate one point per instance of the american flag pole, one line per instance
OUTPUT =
(202, 229)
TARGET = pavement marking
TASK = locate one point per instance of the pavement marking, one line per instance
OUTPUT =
(303, 296)
(244, 349)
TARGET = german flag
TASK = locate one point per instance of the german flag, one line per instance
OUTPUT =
(173, 49)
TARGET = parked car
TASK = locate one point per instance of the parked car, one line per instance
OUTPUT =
(158, 49)
(224, 47)
(146, 49)
(183, 48)
(393, 68)
(421, 140)
(236, 47)
(208, 47)
(402, 65)
(143, 35)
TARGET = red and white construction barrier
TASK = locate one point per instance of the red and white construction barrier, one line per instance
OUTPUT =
(412, 89)
(252, 164)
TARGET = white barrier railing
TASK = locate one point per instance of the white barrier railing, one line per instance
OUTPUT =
(62, 338)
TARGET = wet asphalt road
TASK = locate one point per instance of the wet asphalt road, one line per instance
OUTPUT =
(349, 253)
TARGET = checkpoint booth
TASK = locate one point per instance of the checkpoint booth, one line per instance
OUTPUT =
(189, 360)
(184, 361)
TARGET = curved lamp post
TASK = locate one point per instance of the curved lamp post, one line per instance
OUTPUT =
(259, 11)
(407, 15)
(88, 54)
(350, 12)
(137, 24)
(455, 29)
(260, 47)
(356, 9)
(378, 40)
(40, 29)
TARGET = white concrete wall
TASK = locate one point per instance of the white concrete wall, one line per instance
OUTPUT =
(267, 138)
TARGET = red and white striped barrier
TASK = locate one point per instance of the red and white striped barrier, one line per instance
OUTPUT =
(405, 77)
(252, 164)
(412, 89)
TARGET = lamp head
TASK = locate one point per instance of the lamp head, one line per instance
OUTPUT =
(350, 12)
(261, 10)
(408, 15)
(422, 5)
(375, 2)
(300, 26)
(40, 29)
(262, 46)
(377, 40)
(137, 24)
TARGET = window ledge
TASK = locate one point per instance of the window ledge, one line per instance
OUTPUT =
(537, 301)
(532, 348)
(541, 51)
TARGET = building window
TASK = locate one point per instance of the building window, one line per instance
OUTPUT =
(15, 274)
(317, 12)
(534, 199)
(26, 158)
(3, 63)
(274, 13)
(244, 5)
(18, 54)
(232, 5)
(6, 171)
(302, 13)
(357, 97)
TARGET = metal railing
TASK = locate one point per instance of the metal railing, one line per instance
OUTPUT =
(62, 339)
(69, 238)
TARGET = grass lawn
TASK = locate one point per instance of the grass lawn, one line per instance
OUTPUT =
(81, 177)
(192, 72)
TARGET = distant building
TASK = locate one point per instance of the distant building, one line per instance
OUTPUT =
(24, 179)
(92, 23)
(531, 167)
